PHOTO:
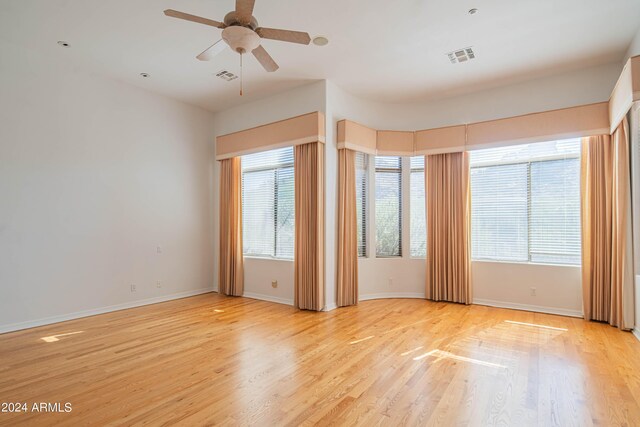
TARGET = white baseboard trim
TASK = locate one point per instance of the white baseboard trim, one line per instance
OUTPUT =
(636, 333)
(278, 300)
(527, 307)
(269, 298)
(11, 327)
(330, 306)
(388, 295)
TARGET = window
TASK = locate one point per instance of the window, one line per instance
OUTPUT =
(268, 218)
(418, 223)
(525, 204)
(388, 206)
(362, 170)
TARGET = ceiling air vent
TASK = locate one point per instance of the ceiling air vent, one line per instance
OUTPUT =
(461, 55)
(226, 75)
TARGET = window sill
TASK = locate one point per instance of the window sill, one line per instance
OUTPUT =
(267, 258)
(495, 261)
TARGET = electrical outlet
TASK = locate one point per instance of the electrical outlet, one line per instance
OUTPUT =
(158, 284)
(274, 283)
(133, 287)
(390, 281)
(159, 249)
(533, 292)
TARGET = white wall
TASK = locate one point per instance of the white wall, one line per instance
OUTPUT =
(260, 272)
(331, 204)
(94, 175)
(634, 47)
(581, 87)
(558, 288)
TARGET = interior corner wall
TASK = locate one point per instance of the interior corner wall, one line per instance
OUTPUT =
(558, 288)
(260, 272)
(331, 202)
(95, 175)
(634, 48)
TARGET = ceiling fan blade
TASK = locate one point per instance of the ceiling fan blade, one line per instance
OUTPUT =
(265, 59)
(284, 35)
(193, 18)
(244, 10)
(212, 51)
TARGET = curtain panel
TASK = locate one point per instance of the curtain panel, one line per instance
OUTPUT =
(347, 230)
(231, 270)
(448, 204)
(607, 270)
(309, 226)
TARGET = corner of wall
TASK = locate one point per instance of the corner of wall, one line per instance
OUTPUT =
(634, 48)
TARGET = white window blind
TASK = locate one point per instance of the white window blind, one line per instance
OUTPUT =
(362, 171)
(418, 235)
(526, 203)
(388, 173)
(268, 217)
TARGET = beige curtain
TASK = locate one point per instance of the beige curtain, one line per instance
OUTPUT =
(347, 229)
(607, 270)
(309, 240)
(231, 273)
(448, 199)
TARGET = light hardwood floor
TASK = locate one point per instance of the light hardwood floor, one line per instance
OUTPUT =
(237, 361)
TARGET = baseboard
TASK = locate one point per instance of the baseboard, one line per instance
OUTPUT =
(11, 327)
(269, 298)
(388, 295)
(278, 300)
(636, 333)
(330, 306)
(527, 307)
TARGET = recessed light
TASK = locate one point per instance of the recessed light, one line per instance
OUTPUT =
(145, 75)
(320, 41)
(473, 11)
(64, 44)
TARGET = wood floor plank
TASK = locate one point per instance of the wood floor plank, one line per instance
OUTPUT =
(211, 359)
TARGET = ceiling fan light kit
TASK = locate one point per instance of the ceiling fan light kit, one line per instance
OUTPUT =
(241, 39)
(241, 33)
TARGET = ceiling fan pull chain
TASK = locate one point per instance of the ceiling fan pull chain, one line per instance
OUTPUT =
(240, 31)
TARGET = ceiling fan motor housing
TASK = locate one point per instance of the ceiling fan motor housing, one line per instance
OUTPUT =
(241, 39)
(231, 19)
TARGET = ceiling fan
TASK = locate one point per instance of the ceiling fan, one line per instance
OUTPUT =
(240, 31)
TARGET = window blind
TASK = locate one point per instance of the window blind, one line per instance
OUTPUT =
(418, 223)
(555, 212)
(388, 193)
(268, 201)
(362, 171)
(525, 203)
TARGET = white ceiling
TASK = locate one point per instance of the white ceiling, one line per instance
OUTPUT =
(391, 51)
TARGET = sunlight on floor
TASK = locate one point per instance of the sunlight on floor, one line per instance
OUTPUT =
(411, 351)
(535, 325)
(361, 339)
(439, 354)
(54, 338)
